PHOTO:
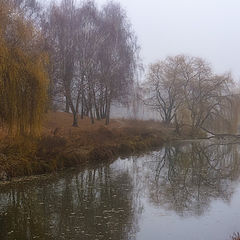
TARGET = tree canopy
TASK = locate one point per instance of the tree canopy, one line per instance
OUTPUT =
(23, 76)
(186, 91)
(93, 54)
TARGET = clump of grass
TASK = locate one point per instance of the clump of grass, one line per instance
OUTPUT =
(50, 146)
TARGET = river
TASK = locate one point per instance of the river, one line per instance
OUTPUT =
(186, 190)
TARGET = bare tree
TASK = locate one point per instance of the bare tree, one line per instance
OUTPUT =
(164, 87)
(204, 92)
(118, 57)
(187, 85)
(94, 57)
(89, 39)
(61, 29)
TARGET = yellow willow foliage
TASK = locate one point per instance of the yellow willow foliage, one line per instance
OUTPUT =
(23, 76)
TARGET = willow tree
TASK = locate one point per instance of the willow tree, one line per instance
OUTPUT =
(23, 79)
(186, 91)
(94, 56)
(164, 88)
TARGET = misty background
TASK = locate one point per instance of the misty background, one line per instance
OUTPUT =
(204, 28)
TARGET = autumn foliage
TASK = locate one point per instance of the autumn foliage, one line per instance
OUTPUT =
(23, 79)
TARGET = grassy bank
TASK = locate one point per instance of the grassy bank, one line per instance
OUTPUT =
(61, 146)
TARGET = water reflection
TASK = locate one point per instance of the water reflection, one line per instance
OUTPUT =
(94, 204)
(186, 177)
(107, 202)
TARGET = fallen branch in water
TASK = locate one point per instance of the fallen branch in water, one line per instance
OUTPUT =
(220, 135)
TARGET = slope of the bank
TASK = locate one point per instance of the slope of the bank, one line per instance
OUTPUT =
(62, 146)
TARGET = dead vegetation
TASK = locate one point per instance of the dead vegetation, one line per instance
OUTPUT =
(62, 146)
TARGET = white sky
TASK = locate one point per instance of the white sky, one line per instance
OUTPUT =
(204, 28)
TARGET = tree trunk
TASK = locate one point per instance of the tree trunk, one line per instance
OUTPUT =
(82, 112)
(73, 109)
(97, 113)
(75, 113)
(75, 119)
(108, 113)
(92, 117)
(67, 108)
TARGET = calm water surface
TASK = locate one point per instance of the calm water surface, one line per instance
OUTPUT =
(188, 190)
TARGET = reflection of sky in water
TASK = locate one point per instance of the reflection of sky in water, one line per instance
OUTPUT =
(217, 219)
(186, 191)
(218, 223)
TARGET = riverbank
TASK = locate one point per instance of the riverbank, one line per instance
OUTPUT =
(62, 146)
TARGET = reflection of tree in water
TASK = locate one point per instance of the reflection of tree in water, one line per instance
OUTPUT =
(94, 204)
(106, 203)
(185, 178)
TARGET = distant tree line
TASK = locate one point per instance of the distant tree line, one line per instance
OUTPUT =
(186, 91)
(85, 58)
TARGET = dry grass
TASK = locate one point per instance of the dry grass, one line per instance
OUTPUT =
(60, 124)
(63, 121)
(62, 145)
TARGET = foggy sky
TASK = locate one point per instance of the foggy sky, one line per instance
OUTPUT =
(204, 28)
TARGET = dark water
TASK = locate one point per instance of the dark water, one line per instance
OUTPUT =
(185, 191)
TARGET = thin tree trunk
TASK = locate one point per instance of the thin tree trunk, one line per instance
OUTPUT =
(82, 111)
(108, 112)
(67, 108)
(91, 115)
(75, 113)
(75, 119)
